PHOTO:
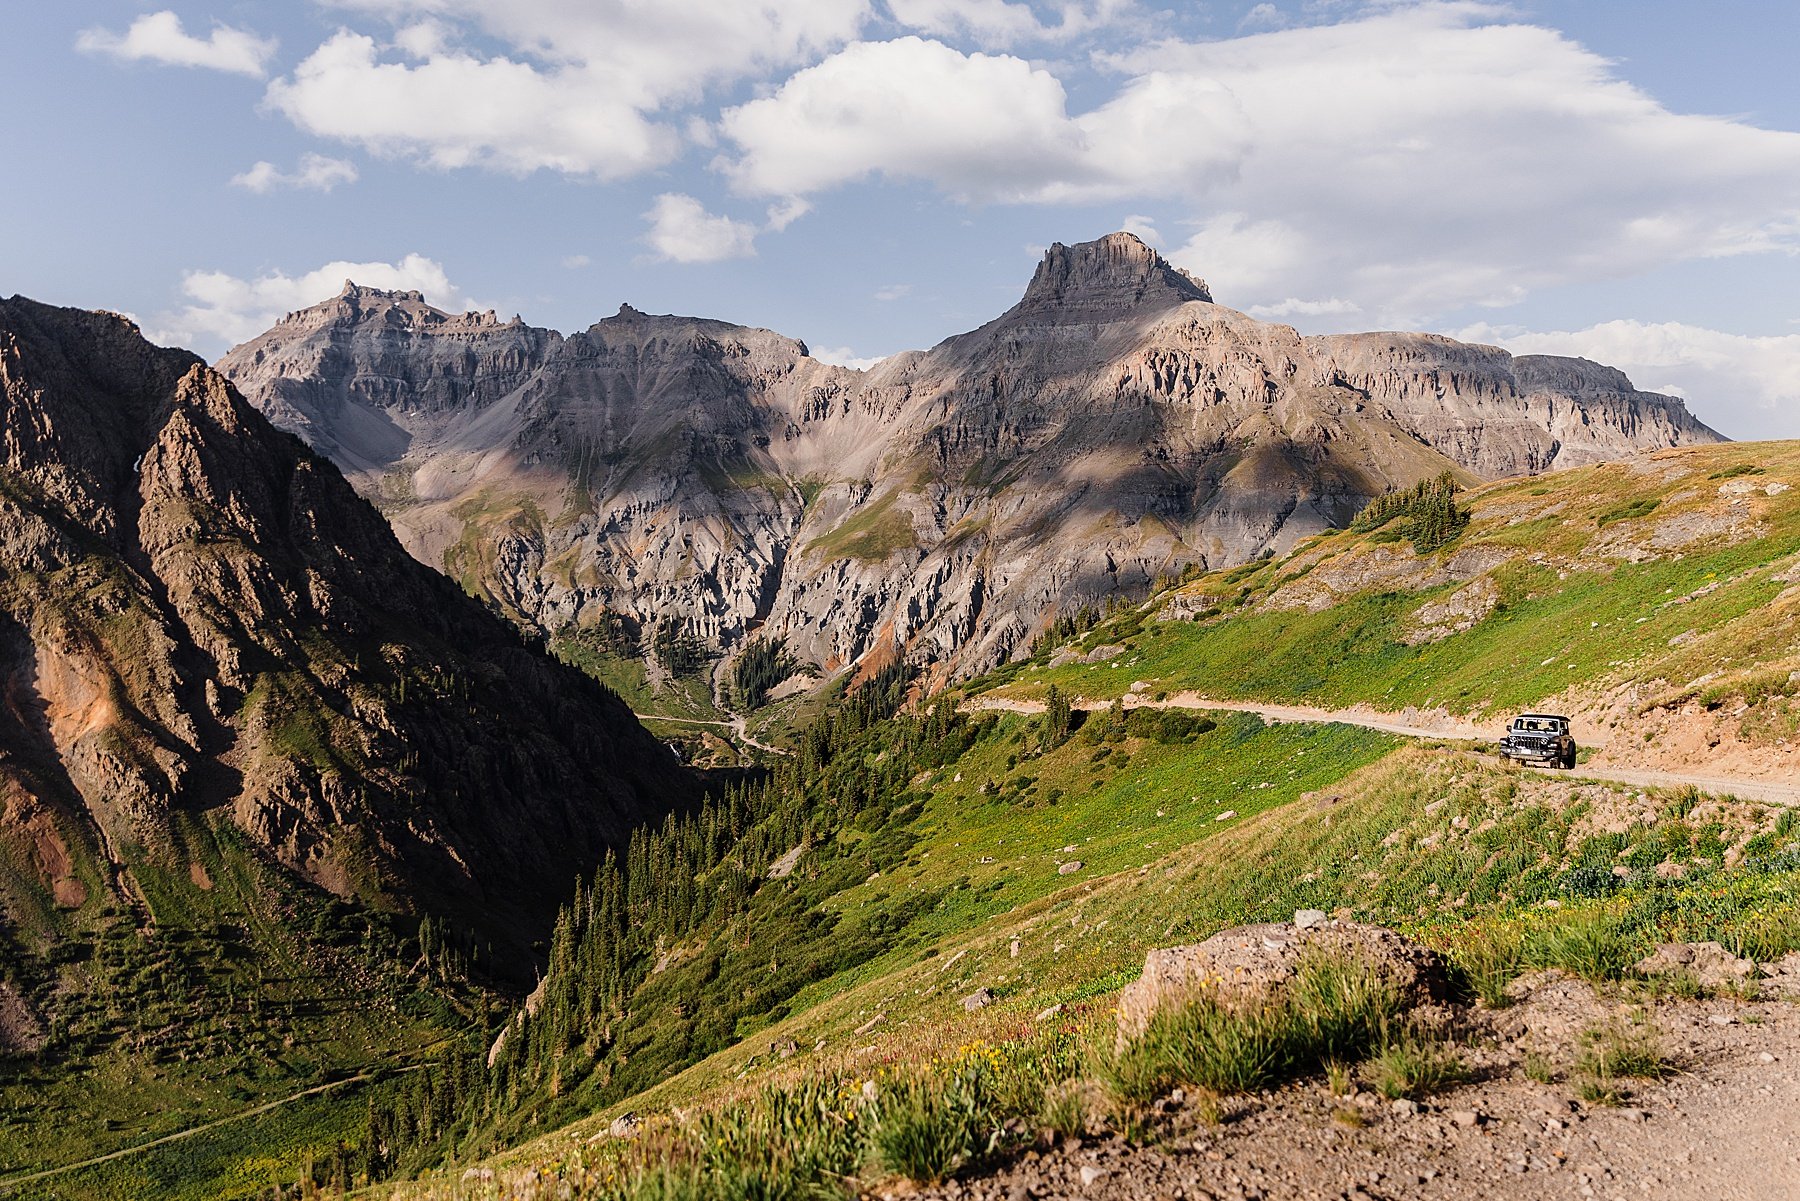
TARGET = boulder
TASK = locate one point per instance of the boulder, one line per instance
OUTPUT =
(1783, 976)
(1256, 960)
(1707, 962)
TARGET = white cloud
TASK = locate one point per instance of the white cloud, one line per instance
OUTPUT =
(981, 126)
(1263, 16)
(576, 262)
(1744, 386)
(456, 110)
(682, 231)
(158, 37)
(784, 213)
(1293, 306)
(1409, 161)
(843, 356)
(1144, 227)
(892, 292)
(999, 24)
(315, 172)
(582, 90)
(226, 309)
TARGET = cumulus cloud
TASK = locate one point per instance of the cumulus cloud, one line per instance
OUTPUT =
(1408, 161)
(315, 172)
(226, 309)
(1263, 16)
(1744, 386)
(682, 231)
(1293, 306)
(981, 126)
(159, 38)
(583, 88)
(843, 356)
(1144, 227)
(457, 110)
(892, 292)
(1000, 24)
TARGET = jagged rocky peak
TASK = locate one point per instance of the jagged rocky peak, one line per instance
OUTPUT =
(406, 309)
(1109, 275)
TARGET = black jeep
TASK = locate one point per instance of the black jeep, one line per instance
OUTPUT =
(1540, 738)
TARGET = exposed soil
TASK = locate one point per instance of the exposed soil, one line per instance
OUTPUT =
(1721, 1125)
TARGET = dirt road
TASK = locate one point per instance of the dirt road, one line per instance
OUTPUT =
(1437, 726)
(738, 725)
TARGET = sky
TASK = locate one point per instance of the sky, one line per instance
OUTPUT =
(1618, 179)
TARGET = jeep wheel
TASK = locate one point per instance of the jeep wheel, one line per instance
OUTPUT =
(1569, 758)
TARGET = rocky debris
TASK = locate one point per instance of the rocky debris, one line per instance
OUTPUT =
(626, 1125)
(943, 505)
(784, 866)
(1069, 868)
(1708, 963)
(1260, 960)
(1310, 919)
(1500, 1136)
(981, 998)
(1461, 610)
(1782, 978)
(21, 1030)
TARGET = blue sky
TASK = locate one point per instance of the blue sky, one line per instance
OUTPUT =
(1610, 178)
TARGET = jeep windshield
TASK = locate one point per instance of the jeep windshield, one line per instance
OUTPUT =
(1537, 725)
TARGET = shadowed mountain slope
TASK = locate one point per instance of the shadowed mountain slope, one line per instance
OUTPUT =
(207, 638)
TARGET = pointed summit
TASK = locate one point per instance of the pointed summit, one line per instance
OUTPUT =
(1107, 277)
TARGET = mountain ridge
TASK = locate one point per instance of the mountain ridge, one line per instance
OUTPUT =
(1113, 427)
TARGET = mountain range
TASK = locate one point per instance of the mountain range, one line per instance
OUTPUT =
(1114, 427)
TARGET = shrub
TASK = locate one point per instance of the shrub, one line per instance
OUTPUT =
(1637, 508)
(1064, 1111)
(1168, 726)
(1490, 958)
(1611, 1051)
(928, 1130)
(1591, 943)
(1412, 1065)
(1334, 1011)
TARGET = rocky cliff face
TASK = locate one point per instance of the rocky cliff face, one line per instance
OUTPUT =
(205, 633)
(1114, 426)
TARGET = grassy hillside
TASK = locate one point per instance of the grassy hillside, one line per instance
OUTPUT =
(821, 924)
(1038, 858)
(1501, 870)
(1616, 592)
(249, 990)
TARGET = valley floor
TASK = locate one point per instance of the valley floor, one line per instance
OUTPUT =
(1721, 1127)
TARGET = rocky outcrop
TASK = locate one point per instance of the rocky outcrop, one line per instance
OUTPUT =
(205, 634)
(365, 373)
(1113, 427)
(1247, 964)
